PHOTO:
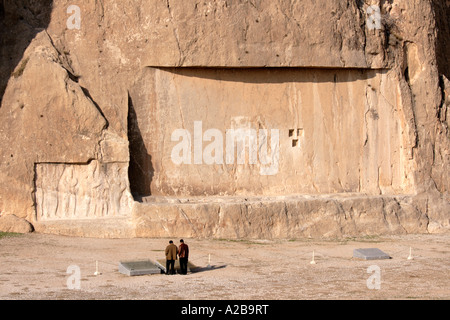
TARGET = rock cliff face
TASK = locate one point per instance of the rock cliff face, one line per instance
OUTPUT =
(226, 118)
(272, 132)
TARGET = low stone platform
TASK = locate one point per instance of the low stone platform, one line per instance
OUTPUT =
(280, 217)
(370, 254)
(140, 268)
(107, 228)
(331, 216)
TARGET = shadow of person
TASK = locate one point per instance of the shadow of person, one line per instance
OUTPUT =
(20, 22)
(205, 269)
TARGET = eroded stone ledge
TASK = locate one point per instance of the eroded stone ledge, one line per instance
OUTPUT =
(289, 217)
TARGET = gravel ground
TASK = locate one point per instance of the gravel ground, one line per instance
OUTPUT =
(35, 266)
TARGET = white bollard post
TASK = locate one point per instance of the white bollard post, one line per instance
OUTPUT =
(313, 261)
(97, 273)
(410, 257)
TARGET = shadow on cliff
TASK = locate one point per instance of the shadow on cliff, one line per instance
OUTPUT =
(20, 22)
(140, 171)
(442, 14)
(276, 75)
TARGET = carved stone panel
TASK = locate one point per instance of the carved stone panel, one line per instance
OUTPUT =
(73, 191)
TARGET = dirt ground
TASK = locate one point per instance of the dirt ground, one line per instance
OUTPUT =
(35, 266)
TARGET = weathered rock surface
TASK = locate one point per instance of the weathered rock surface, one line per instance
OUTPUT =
(11, 223)
(289, 217)
(47, 118)
(90, 92)
(71, 192)
(271, 132)
(110, 228)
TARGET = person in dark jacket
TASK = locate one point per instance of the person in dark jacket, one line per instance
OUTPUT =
(184, 257)
(171, 256)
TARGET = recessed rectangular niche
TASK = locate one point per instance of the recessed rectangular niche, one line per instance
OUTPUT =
(275, 131)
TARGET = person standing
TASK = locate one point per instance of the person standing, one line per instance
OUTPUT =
(171, 256)
(184, 257)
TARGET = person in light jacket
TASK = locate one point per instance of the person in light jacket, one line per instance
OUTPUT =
(171, 256)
